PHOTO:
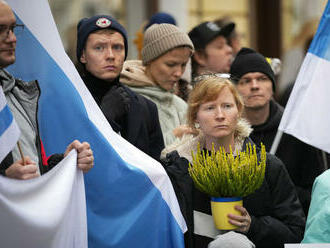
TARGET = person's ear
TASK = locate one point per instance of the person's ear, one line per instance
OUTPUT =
(83, 57)
(200, 57)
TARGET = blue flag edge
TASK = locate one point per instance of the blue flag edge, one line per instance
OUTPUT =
(137, 215)
(6, 118)
(320, 44)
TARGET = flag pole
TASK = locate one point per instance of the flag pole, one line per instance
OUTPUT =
(276, 141)
(21, 152)
(325, 160)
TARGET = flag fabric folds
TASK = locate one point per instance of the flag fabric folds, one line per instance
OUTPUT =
(9, 131)
(48, 211)
(306, 114)
(129, 197)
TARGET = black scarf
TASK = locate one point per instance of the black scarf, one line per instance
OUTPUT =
(98, 87)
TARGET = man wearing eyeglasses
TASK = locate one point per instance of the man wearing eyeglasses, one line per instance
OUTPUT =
(255, 82)
(7, 37)
(22, 99)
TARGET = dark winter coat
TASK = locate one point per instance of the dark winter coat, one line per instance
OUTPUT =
(276, 213)
(303, 162)
(140, 126)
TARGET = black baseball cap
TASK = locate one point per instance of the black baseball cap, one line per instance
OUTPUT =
(205, 32)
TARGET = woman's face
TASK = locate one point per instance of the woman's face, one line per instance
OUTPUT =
(218, 119)
(167, 69)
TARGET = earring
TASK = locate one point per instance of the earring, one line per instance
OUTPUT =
(197, 125)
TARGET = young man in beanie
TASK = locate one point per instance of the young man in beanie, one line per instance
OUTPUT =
(256, 83)
(101, 51)
(22, 99)
(212, 52)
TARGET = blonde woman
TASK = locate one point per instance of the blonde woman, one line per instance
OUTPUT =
(166, 51)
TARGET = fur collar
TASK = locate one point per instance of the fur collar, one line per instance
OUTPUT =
(189, 143)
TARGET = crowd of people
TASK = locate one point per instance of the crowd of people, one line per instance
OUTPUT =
(229, 102)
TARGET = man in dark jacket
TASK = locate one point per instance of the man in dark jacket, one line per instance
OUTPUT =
(101, 52)
(256, 83)
(22, 99)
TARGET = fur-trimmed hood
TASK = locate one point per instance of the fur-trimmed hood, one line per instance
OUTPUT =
(189, 143)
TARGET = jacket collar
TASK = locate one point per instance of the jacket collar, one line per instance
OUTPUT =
(98, 87)
(134, 74)
(275, 115)
(7, 81)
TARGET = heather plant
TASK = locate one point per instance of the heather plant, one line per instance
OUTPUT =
(221, 174)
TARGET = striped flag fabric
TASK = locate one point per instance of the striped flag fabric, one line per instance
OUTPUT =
(47, 211)
(129, 198)
(9, 130)
(306, 114)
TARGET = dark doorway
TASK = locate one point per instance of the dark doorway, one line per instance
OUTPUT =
(268, 27)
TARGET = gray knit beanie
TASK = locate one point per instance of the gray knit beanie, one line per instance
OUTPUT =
(160, 38)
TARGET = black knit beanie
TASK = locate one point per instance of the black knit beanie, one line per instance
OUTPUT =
(247, 60)
(94, 23)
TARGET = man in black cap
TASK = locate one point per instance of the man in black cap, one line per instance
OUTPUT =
(101, 52)
(212, 52)
(255, 81)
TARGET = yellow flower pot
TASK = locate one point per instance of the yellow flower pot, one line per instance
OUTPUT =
(221, 207)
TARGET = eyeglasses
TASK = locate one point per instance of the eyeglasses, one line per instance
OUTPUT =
(5, 30)
(213, 75)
